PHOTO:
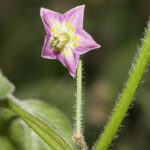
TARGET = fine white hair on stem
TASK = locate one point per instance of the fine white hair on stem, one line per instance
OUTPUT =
(78, 137)
(138, 68)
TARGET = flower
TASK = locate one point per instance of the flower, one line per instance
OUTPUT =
(65, 38)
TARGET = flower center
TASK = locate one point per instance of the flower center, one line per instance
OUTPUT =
(58, 41)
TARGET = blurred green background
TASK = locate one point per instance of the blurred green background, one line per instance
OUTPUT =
(118, 26)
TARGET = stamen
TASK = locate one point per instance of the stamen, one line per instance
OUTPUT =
(59, 41)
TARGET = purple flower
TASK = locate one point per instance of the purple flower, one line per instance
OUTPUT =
(65, 37)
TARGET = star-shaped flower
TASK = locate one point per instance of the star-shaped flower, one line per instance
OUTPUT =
(65, 37)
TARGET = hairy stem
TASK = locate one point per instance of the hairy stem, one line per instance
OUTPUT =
(127, 95)
(79, 98)
(78, 135)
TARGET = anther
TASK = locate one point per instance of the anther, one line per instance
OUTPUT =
(59, 41)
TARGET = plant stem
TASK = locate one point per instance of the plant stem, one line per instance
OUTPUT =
(127, 96)
(78, 135)
(79, 98)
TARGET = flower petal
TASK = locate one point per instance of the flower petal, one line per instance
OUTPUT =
(47, 52)
(86, 42)
(75, 17)
(70, 62)
(49, 17)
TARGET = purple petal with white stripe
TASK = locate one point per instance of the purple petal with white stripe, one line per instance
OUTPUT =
(86, 42)
(70, 62)
(75, 17)
(48, 52)
(50, 17)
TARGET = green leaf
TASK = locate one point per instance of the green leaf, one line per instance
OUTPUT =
(25, 138)
(51, 116)
(5, 144)
(5, 87)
